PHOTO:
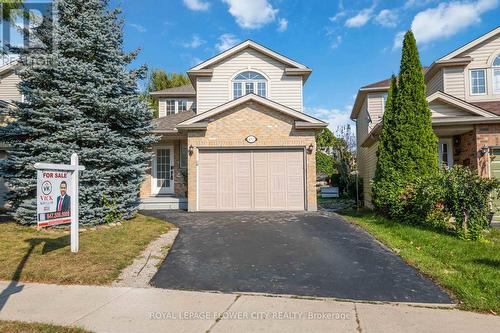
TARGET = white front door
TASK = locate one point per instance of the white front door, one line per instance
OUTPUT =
(446, 152)
(163, 170)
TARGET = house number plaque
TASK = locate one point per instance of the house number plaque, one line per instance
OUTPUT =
(251, 139)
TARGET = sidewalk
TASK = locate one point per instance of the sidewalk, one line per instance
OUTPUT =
(119, 309)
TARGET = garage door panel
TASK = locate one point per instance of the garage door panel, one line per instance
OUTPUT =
(251, 180)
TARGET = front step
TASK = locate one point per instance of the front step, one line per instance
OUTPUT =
(163, 203)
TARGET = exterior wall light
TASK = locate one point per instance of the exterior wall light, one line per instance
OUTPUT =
(310, 149)
(191, 149)
(484, 150)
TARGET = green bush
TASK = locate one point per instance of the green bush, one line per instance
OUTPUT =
(324, 164)
(467, 198)
(456, 200)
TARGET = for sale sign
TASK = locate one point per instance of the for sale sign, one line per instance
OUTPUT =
(54, 200)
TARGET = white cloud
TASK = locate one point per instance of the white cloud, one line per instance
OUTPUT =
(334, 117)
(196, 4)
(336, 42)
(337, 16)
(138, 27)
(448, 19)
(195, 42)
(226, 41)
(360, 19)
(398, 40)
(252, 14)
(282, 24)
(387, 18)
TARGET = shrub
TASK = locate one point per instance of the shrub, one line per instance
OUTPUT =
(467, 198)
(455, 200)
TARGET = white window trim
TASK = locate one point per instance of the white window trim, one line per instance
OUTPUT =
(243, 82)
(176, 105)
(485, 81)
(496, 89)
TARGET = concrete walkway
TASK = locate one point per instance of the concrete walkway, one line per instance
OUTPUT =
(121, 309)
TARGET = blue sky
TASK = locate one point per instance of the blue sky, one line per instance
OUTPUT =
(347, 43)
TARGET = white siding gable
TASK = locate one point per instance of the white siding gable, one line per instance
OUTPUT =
(482, 57)
(216, 90)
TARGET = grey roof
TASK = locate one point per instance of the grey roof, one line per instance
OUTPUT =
(168, 123)
(186, 90)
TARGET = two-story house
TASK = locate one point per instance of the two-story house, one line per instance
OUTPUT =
(463, 92)
(8, 93)
(236, 138)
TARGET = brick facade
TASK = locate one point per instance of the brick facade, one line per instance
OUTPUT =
(467, 147)
(272, 129)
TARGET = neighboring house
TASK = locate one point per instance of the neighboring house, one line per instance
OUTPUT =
(463, 92)
(8, 93)
(237, 138)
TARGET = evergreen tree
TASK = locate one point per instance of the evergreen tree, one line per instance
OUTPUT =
(385, 174)
(80, 97)
(407, 145)
(416, 145)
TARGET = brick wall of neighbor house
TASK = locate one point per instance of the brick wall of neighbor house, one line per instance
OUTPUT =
(464, 152)
(272, 129)
(467, 149)
(486, 135)
(180, 187)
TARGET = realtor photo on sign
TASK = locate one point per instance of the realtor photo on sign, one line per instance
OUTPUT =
(54, 202)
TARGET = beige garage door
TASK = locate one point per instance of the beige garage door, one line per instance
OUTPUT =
(251, 180)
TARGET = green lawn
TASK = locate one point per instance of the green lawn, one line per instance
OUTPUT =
(27, 254)
(470, 270)
(23, 327)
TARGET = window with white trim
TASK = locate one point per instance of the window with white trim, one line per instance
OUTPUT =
(445, 153)
(181, 105)
(170, 106)
(478, 81)
(249, 82)
(496, 75)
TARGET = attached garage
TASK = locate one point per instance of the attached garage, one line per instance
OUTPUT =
(251, 179)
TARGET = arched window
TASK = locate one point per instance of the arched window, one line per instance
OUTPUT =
(249, 82)
(496, 75)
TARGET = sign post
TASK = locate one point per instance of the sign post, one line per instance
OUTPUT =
(57, 196)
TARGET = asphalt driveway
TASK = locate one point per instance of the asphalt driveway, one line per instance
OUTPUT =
(307, 254)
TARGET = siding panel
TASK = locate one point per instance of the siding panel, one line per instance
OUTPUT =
(216, 90)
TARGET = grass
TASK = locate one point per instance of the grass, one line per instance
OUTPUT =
(30, 255)
(469, 270)
(7, 326)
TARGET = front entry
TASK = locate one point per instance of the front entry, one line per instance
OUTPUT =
(163, 170)
(244, 180)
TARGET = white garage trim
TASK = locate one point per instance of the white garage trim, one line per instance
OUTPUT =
(241, 193)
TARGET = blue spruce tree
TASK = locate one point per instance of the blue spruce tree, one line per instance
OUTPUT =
(80, 97)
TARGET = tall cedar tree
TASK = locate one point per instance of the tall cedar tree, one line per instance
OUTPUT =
(80, 97)
(407, 145)
(385, 174)
(416, 146)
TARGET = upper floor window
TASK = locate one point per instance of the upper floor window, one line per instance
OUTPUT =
(478, 81)
(249, 82)
(496, 75)
(170, 106)
(173, 106)
(182, 105)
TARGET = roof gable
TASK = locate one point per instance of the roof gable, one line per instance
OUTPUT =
(248, 44)
(471, 44)
(461, 105)
(304, 120)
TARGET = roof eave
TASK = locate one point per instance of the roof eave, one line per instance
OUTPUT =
(437, 65)
(307, 125)
(358, 102)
